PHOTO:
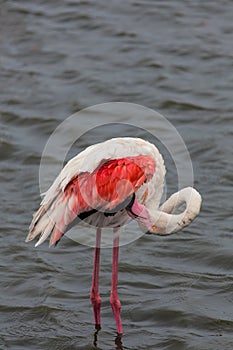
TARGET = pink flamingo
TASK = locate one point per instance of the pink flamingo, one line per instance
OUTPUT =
(107, 185)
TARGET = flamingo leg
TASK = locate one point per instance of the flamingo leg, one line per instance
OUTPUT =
(94, 294)
(114, 300)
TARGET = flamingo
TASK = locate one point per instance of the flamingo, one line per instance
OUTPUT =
(107, 185)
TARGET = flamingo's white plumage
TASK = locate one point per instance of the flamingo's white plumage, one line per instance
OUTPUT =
(106, 185)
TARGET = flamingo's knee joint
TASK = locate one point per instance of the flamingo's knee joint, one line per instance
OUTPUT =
(115, 303)
(95, 298)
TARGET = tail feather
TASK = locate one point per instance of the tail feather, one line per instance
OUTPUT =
(56, 236)
(53, 218)
(36, 216)
(45, 234)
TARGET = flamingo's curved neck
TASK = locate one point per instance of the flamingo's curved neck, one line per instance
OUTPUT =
(164, 220)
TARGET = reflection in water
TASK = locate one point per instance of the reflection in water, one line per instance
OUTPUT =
(96, 337)
(118, 341)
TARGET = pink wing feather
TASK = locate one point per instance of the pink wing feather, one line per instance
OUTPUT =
(105, 188)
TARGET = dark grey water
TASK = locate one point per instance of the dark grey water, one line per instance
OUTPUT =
(175, 57)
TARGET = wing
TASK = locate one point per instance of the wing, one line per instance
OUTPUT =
(104, 189)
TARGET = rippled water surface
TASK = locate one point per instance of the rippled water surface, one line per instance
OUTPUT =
(172, 56)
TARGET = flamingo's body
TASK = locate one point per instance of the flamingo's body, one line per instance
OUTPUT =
(107, 184)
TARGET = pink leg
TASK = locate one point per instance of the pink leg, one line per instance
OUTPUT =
(94, 294)
(115, 302)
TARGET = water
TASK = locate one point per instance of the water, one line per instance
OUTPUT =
(175, 57)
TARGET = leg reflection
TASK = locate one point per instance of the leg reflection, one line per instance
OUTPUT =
(118, 342)
(98, 328)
